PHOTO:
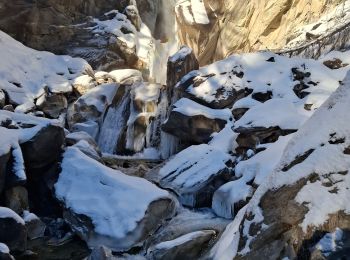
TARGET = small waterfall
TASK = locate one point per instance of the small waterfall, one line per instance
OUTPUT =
(114, 124)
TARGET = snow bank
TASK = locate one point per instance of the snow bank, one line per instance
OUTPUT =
(8, 213)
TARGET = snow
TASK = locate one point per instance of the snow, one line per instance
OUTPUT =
(181, 54)
(28, 216)
(228, 195)
(126, 75)
(8, 213)
(89, 183)
(188, 107)
(4, 249)
(26, 73)
(146, 92)
(225, 139)
(100, 96)
(329, 242)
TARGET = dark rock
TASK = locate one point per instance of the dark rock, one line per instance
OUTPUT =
(8, 108)
(192, 129)
(262, 97)
(4, 159)
(189, 246)
(335, 64)
(102, 253)
(44, 148)
(239, 112)
(13, 232)
(2, 99)
(35, 227)
(299, 90)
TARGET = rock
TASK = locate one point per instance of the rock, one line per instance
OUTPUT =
(5, 252)
(185, 222)
(92, 105)
(4, 159)
(90, 127)
(2, 99)
(197, 127)
(214, 89)
(194, 174)
(250, 137)
(189, 246)
(131, 226)
(238, 113)
(76, 137)
(132, 13)
(9, 108)
(179, 65)
(35, 227)
(44, 148)
(102, 253)
(335, 64)
(83, 84)
(89, 150)
(126, 76)
(13, 232)
(16, 198)
(212, 40)
(52, 104)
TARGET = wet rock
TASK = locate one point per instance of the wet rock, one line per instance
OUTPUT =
(195, 129)
(44, 148)
(16, 198)
(13, 232)
(189, 246)
(35, 227)
(52, 104)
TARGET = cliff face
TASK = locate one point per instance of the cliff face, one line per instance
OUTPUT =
(244, 26)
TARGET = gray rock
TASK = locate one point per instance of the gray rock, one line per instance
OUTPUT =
(16, 198)
(52, 104)
(35, 227)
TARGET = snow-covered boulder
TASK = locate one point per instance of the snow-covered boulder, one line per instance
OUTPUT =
(98, 201)
(13, 232)
(35, 227)
(194, 123)
(194, 174)
(52, 104)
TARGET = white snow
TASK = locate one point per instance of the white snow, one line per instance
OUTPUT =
(329, 242)
(8, 213)
(26, 73)
(4, 249)
(28, 216)
(81, 185)
(126, 76)
(193, 11)
(188, 107)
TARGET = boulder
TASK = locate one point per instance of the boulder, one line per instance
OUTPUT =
(35, 227)
(83, 84)
(194, 123)
(2, 99)
(189, 246)
(52, 104)
(179, 65)
(194, 174)
(44, 148)
(109, 220)
(13, 232)
(101, 253)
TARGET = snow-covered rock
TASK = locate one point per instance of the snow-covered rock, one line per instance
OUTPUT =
(5, 252)
(35, 227)
(307, 192)
(194, 174)
(13, 232)
(27, 73)
(109, 220)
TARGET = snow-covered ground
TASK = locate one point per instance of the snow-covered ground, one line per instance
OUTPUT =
(26, 74)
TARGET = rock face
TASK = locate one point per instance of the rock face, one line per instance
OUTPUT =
(230, 27)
